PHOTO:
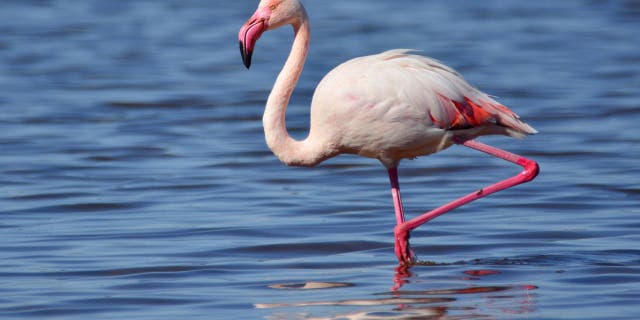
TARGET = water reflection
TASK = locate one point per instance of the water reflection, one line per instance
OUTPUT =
(471, 302)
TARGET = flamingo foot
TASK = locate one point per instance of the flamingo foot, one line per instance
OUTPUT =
(402, 247)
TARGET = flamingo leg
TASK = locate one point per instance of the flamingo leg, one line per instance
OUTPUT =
(402, 249)
(395, 193)
(402, 230)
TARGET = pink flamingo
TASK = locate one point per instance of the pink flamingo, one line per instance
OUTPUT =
(389, 106)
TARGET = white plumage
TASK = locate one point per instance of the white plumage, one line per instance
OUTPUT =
(396, 105)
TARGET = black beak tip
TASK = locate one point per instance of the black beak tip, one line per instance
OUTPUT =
(246, 56)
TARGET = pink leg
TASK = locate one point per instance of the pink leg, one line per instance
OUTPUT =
(530, 171)
(395, 193)
(402, 249)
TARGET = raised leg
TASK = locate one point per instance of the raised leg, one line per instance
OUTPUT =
(403, 230)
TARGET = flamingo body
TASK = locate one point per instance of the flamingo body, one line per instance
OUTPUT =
(397, 105)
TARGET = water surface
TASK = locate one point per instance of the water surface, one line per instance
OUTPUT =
(135, 181)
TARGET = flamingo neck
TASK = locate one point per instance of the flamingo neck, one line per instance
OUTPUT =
(287, 149)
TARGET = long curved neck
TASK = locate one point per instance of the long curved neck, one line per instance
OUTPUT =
(288, 150)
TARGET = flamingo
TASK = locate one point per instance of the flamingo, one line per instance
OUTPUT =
(389, 106)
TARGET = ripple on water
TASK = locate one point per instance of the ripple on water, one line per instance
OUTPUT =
(135, 182)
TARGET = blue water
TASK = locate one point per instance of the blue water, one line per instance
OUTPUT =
(135, 182)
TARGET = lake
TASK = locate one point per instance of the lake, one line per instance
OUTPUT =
(135, 181)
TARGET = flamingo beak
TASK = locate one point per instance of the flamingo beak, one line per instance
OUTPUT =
(248, 36)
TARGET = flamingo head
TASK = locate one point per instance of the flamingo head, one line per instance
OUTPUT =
(271, 14)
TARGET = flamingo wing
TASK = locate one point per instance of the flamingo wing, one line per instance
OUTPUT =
(457, 105)
(418, 86)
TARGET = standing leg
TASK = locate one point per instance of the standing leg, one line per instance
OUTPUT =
(402, 247)
(530, 171)
(395, 193)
